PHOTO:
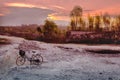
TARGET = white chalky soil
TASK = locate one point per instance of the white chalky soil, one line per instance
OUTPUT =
(61, 62)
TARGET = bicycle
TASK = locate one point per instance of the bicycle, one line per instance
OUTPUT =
(35, 59)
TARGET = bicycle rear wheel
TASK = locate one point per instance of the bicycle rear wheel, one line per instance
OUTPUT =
(20, 61)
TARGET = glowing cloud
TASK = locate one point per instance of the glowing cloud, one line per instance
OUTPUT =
(19, 5)
(54, 16)
(24, 5)
(59, 7)
(1, 14)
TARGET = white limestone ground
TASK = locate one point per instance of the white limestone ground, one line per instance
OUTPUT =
(61, 62)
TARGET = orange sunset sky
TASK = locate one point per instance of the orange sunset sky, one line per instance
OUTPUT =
(17, 12)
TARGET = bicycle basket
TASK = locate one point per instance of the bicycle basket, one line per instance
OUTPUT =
(21, 53)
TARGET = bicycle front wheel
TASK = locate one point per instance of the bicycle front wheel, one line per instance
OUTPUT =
(20, 61)
(38, 59)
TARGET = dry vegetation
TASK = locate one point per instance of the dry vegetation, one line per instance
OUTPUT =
(108, 37)
(27, 32)
(104, 37)
(4, 41)
(32, 32)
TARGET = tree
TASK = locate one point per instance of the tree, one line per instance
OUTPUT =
(72, 23)
(118, 22)
(49, 29)
(91, 22)
(75, 15)
(97, 23)
(106, 20)
(81, 24)
(39, 29)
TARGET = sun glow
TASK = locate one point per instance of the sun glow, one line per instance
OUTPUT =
(50, 16)
(56, 17)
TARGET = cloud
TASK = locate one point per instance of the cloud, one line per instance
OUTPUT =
(22, 15)
(1, 14)
(54, 9)
(58, 7)
(19, 5)
(24, 5)
(112, 10)
(4, 11)
(59, 16)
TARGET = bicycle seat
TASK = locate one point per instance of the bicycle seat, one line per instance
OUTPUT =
(21, 53)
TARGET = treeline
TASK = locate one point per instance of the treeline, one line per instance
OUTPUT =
(102, 22)
(49, 32)
(102, 28)
(98, 29)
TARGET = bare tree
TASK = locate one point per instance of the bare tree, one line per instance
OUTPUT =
(97, 23)
(76, 15)
(118, 22)
(91, 22)
(106, 20)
